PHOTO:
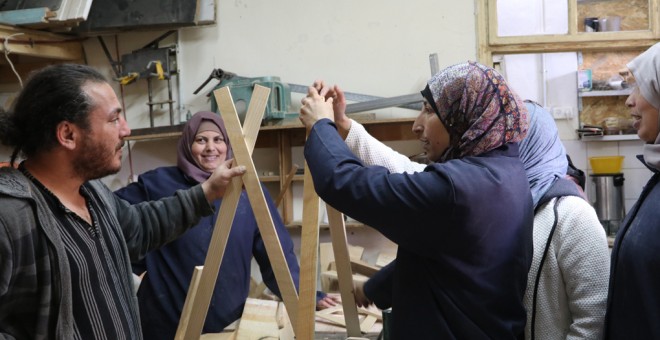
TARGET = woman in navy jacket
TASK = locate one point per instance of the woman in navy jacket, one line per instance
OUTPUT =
(203, 145)
(463, 226)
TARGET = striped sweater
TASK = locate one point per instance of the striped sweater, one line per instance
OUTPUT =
(35, 282)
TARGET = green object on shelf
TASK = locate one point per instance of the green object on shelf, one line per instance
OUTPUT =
(241, 90)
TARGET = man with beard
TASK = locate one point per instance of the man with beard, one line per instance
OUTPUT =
(66, 241)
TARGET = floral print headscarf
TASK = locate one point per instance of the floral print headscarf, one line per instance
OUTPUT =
(478, 109)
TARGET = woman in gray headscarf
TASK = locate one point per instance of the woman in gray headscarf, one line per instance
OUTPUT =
(568, 298)
(633, 306)
(567, 282)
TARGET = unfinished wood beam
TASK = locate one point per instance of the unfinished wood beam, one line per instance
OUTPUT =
(284, 188)
(242, 155)
(259, 320)
(309, 247)
(188, 303)
(344, 273)
(223, 224)
(364, 268)
(40, 44)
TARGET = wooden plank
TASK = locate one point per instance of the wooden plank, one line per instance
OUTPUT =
(188, 304)
(259, 320)
(286, 328)
(242, 155)
(286, 185)
(384, 259)
(325, 255)
(25, 16)
(219, 336)
(483, 53)
(363, 268)
(222, 227)
(286, 162)
(41, 44)
(309, 247)
(156, 132)
(345, 276)
(367, 323)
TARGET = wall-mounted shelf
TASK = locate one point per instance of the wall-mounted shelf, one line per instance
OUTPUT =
(609, 138)
(607, 93)
(284, 134)
(351, 224)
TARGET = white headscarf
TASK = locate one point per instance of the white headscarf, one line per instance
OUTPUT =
(646, 70)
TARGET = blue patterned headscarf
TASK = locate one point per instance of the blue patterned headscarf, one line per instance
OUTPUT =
(541, 152)
(478, 109)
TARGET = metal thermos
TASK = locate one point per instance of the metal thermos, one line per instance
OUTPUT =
(609, 203)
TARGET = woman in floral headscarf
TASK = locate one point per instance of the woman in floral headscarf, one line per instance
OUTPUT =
(463, 226)
(633, 305)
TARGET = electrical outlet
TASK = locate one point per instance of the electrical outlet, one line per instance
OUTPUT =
(562, 112)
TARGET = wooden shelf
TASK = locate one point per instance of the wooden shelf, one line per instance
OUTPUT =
(351, 224)
(608, 93)
(159, 132)
(273, 178)
(284, 134)
(609, 138)
(41, 44)
(387, 129)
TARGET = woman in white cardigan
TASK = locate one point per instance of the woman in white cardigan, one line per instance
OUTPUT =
(567, 299)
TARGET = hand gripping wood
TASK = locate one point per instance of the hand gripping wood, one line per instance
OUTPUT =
(190, 326)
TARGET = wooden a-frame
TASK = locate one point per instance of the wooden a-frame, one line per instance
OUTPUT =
(301, 310)
(190, 325)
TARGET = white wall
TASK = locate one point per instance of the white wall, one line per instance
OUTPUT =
(370, 47)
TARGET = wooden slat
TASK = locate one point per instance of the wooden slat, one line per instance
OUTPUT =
(344, 273)
(368, 322)
(257, 201)
(284, 188)
(221, 229)
(309, 246)
(483, 54)
(286, 162)
(259, 320)
(363, 268)
(41, 44)
(188, 304)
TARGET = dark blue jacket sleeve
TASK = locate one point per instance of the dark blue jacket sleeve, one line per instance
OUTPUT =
(379, 287)
(397, 205)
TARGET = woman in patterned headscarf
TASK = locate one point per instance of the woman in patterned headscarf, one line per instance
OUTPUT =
(633, 306)
(567, 282)
(463, 225)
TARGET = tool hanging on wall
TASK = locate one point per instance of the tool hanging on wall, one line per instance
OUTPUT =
(279, 102)
(148, 62)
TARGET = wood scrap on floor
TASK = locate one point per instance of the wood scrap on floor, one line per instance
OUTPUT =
(332, 319)
(259, 320)
(362, 270)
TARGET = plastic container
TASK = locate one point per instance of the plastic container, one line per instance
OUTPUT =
(606, 164)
